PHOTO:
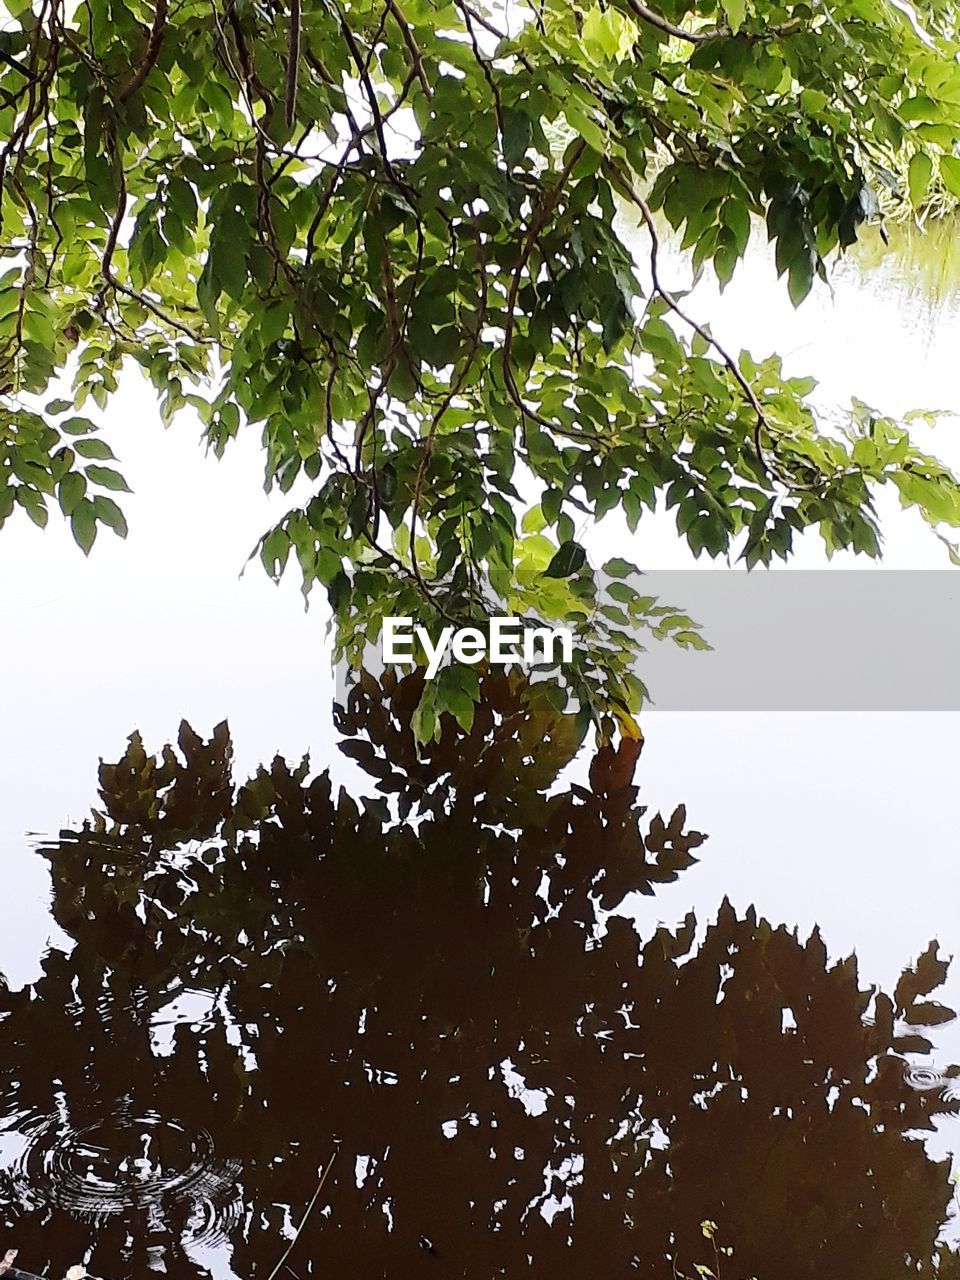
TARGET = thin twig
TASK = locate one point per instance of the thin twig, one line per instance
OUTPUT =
(484, 65)
(106, 269)
(448, 399)
(293, 64)
(537, 223)
(303, 1221)
(413, 48)
(18, 66)
(481, 19)
(623, 184)
(152, 53)
(653, 19)
(363, 69)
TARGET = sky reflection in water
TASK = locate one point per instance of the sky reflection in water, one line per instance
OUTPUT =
(427, 986)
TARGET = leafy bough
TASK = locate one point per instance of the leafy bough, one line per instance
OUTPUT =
(385, 235)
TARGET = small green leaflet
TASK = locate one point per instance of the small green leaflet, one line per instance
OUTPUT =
(569, 559)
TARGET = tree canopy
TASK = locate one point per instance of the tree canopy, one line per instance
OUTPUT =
(390, 236)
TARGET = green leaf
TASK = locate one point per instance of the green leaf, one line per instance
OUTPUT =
(943, 135)
(618, 568)
(587, 127)
(107, 478)
(799, 281)
(736, 215)
(517, 135)
(919, 107)
(918, 177)
(275, 551)
(533, 520)
(228, 253)
(34, 506)
(569, 559)
(456, 691)
(950, 173)
(550, 505)
(607, 33)
(108, 513)
(425, 722)
(736, 11)
(98, 449)
(70, 490)
(77, 426)
(83, 524)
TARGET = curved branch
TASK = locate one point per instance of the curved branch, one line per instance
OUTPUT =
(445, 404)
(18, 66)
(537, 223)
(654, 19)
(413, 48)
(762, 425)
(106, 270)
(152, 54)
(293, 64)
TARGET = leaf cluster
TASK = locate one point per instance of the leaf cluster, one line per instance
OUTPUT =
(413, 279)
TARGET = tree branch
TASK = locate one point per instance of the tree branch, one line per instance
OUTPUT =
(413, 48)
(106, 269)
(152, 53)
(762, 425)
(537, 223)
(653, 19)
(18, 66)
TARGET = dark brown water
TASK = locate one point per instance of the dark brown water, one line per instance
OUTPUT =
(426, 990)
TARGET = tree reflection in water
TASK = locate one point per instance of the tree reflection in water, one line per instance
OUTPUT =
(427, 984)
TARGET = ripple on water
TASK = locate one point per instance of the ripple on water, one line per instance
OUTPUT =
(129, 1165)
(926, 1079)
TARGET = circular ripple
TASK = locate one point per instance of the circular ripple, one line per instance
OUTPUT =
(110, 1167)
(925, 1079)
(126, 1165)
(210, 1222)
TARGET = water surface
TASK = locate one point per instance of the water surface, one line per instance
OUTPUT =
(416, 1012)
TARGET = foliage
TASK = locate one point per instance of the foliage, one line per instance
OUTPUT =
(428, 981)
(385, 235)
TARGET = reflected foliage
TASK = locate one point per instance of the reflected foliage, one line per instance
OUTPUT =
(428, 982)
(920, 265)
